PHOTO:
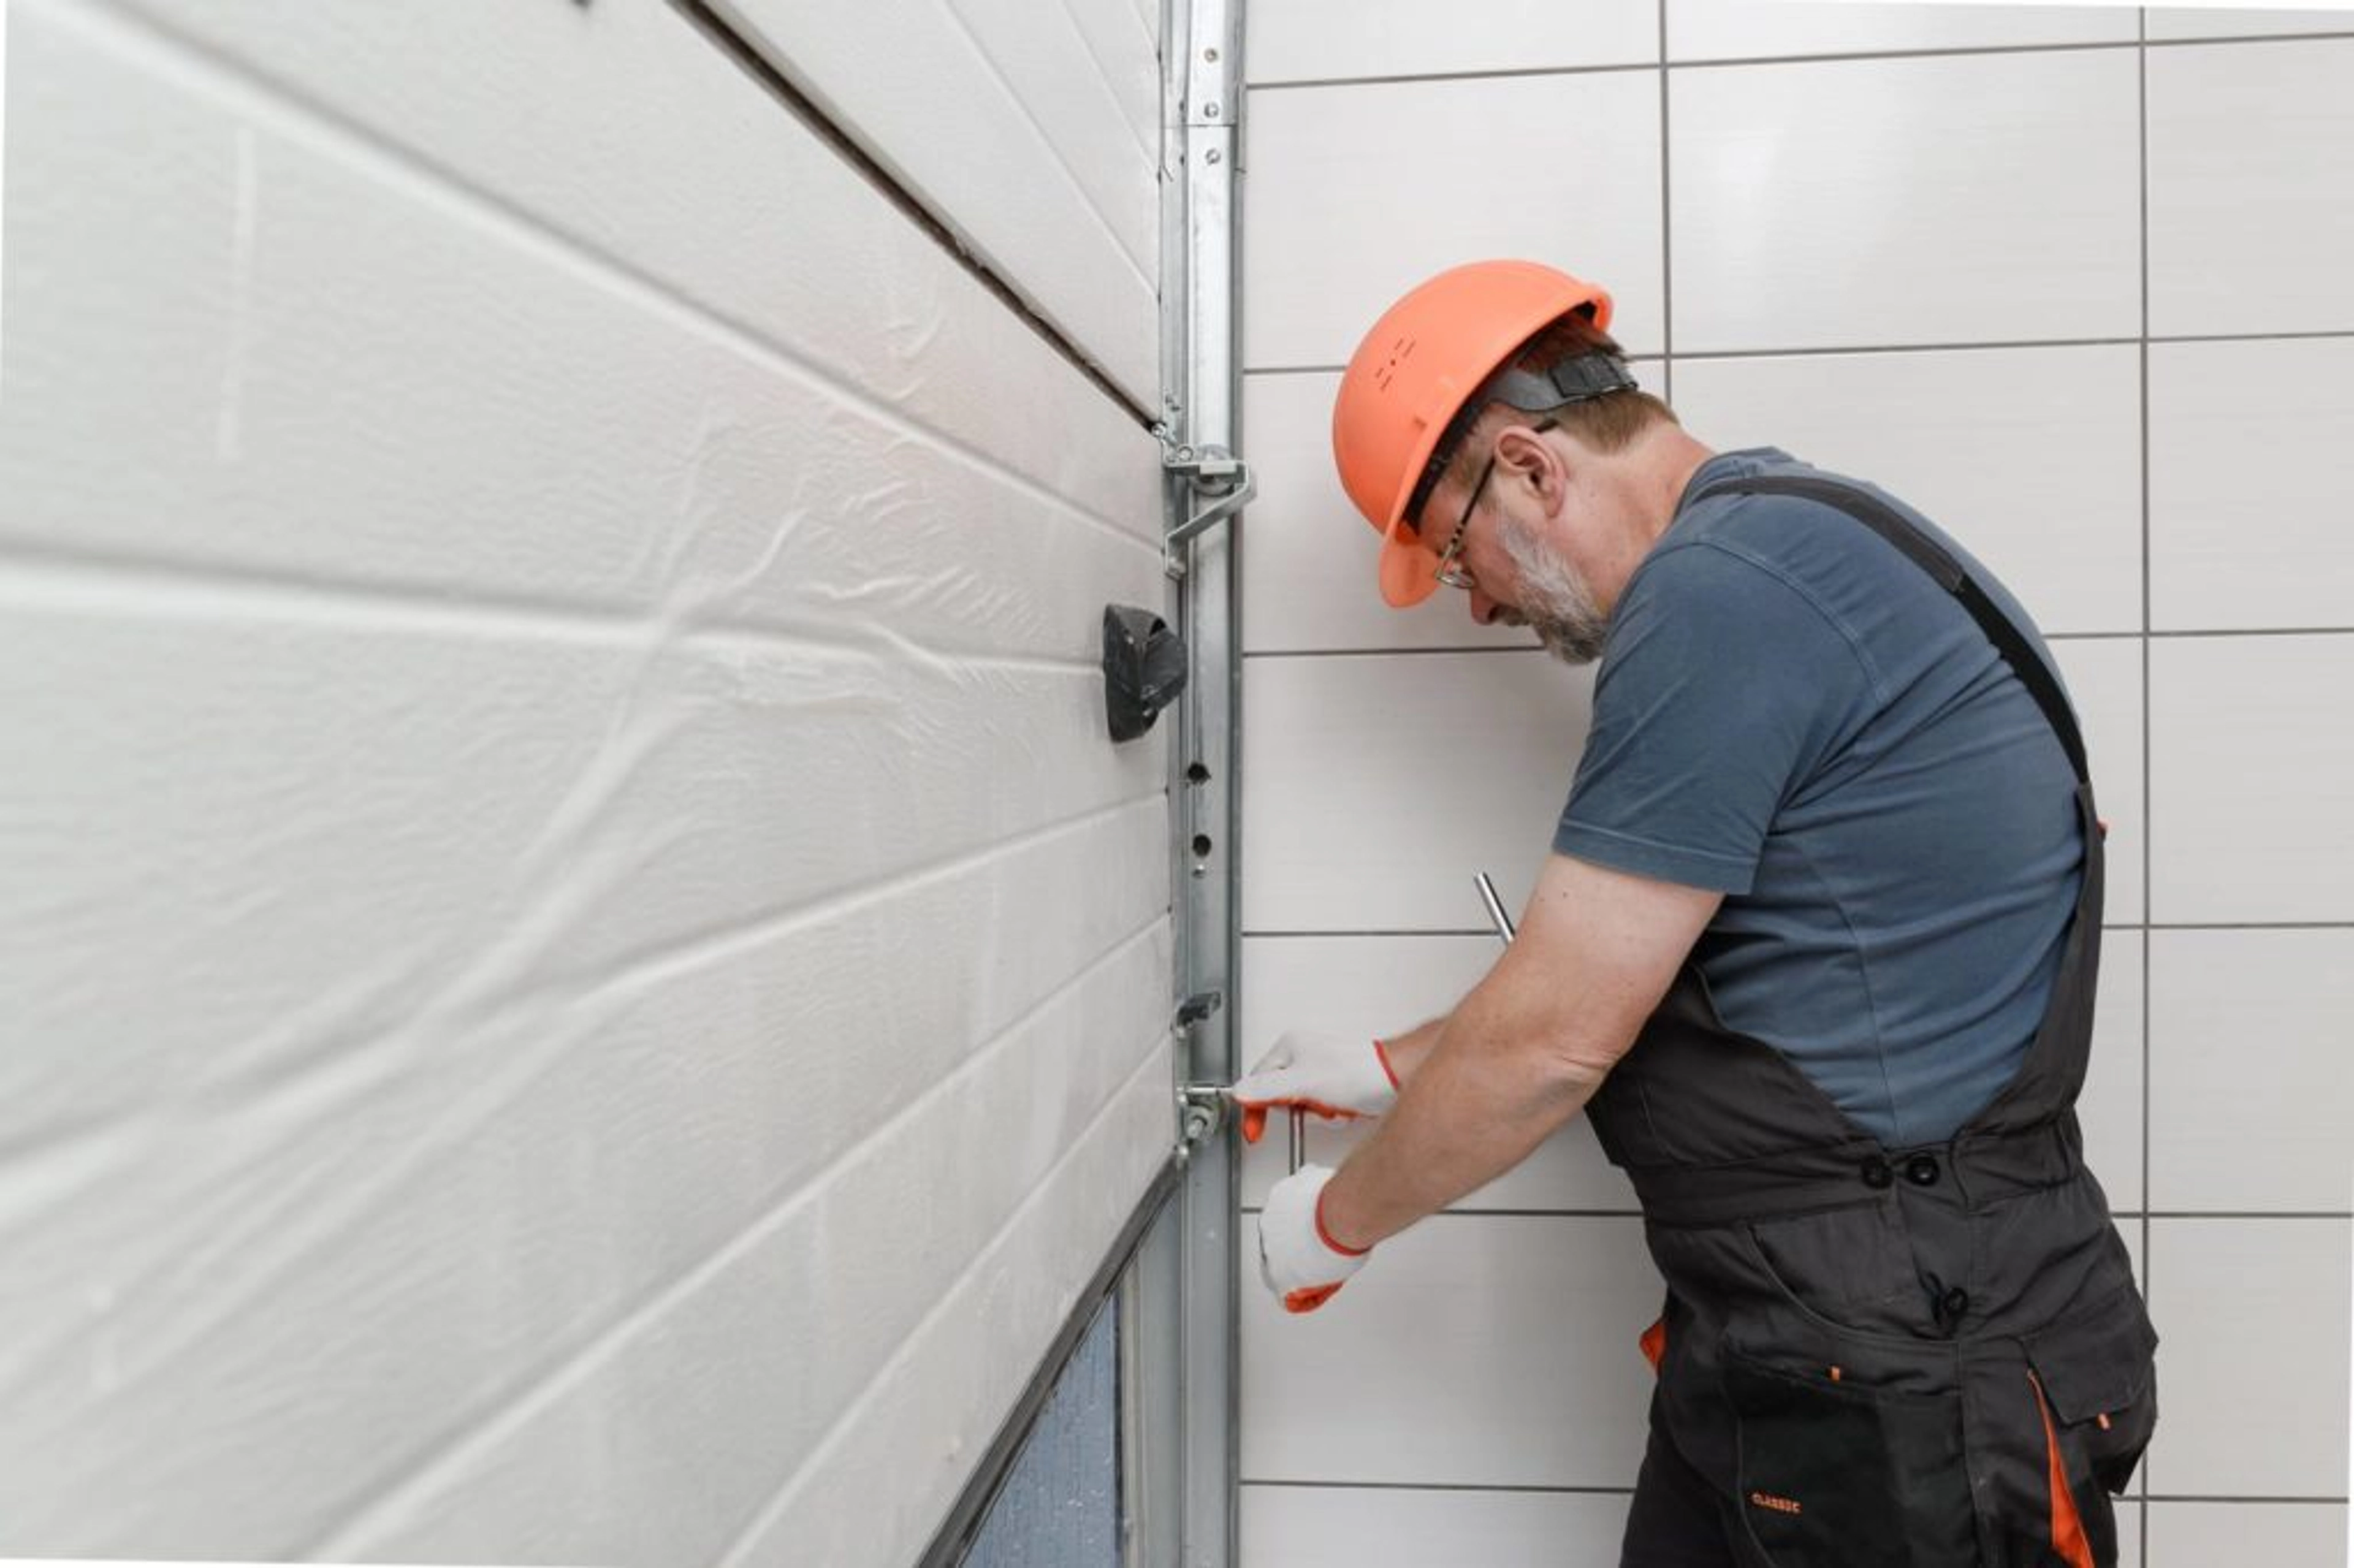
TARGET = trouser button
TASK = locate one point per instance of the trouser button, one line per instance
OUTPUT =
(1877, 1172)
(1922, 1171)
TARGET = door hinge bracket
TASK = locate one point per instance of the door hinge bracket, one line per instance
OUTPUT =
(1211, 473)
(1200, 1112)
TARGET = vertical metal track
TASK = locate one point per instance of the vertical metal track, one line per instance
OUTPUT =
(1202, 78)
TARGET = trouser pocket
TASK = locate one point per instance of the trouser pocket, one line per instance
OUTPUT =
(2093, 1382)
(1834, 1475)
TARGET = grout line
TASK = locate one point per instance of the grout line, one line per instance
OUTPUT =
(2233, 1216)
(2239, 926)
(2177, 635)
(2149, 42)
(1452, 1213)
(1392, 652)
(2000, 344)
(1498, 73)
(2105, 926)
(1637, 1214)
(1401, 931)
(2193, 1497)
(2243, 1215)
(1666, 223)
(1663, 65)
(1540, 73)
(2187, 635)
(1443, 1487)
(2226, 631)
(2148, 866)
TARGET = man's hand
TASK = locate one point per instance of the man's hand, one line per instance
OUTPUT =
(1299, 1260)
(1336, 1076)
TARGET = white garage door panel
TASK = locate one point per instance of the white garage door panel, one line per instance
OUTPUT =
(312, 1358)
(996, 113)
(648, 147)
(1126, 50)
(565, 803)
(304, 831)
(532, 429)
(891, 1417)
(792, 1063)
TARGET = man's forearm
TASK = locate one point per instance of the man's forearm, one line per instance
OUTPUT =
(1470, 1112)
(1407, 1052)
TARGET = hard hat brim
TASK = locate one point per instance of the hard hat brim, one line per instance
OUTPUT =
(1409, 572)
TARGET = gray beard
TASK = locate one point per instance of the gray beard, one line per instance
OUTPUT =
(1556, 602)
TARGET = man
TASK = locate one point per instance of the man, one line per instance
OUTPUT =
(1815, 950)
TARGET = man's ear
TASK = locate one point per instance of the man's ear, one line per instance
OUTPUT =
(1530, 456)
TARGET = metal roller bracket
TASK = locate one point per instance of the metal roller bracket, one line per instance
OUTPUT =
(1211, 472)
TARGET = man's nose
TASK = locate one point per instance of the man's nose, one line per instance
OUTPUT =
(1483, 608)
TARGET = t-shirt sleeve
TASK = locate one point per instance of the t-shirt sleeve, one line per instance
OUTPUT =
(1726, 685)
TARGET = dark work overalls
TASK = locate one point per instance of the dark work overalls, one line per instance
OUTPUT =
(1929, 1357)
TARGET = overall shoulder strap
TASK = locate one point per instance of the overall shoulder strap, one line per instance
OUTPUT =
(2018, 650)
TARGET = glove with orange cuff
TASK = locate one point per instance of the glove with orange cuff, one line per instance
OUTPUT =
(1297, 1257)
(1335, 1075)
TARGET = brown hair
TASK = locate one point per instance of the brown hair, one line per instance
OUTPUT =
(1606, 424)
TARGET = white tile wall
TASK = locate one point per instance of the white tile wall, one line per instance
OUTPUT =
(2225, 1135)
(2251, 155)
(1843, 233)
(2252, 779)
(1326, 1527)
(2252, 1373)
(1378, 786)
(2199, 1534)
(525, 635)
(2168, 23)
(1322, 262)
(2249, 468)
(2104, 683)
(2129, 1535)
(1744, 29)
(2111, 1107)
(1477, 1335)
(1325, 40)
(1992, 199)
(2031, 457)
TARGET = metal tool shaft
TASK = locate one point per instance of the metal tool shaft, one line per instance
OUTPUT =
(1496, 912)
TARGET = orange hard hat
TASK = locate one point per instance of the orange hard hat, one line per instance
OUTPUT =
(1415, 373)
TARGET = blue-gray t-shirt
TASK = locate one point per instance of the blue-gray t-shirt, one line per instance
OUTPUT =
(1790, 713)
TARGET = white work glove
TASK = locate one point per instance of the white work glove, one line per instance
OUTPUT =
(1338, 1076)
(1297, 1256)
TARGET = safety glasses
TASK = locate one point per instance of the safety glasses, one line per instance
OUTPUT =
(1448, 571)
